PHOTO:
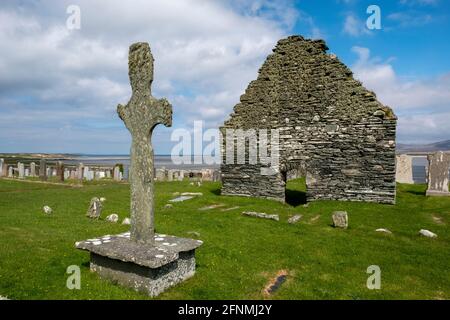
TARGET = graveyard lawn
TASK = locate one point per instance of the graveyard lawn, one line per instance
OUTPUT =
(241, 255)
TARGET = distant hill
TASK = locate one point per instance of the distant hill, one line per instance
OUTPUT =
(437, 146)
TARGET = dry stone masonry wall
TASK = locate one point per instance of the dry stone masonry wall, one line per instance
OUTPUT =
(331, 128)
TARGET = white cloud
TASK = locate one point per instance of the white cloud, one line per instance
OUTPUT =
(51, 78)
(422, 106)
(354, 26)
(419, 2)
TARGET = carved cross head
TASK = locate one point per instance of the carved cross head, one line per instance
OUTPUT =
(143, 112)
(140, 67)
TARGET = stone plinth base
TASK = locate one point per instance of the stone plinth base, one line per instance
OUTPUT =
(438, 193)
(150, 269)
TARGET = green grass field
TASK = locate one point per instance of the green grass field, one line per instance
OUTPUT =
(240, 255)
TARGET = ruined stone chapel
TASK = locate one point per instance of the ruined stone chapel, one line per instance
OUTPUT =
(331, 129)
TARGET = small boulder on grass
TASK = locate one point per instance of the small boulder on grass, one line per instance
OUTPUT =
(340, 219)
(95, 208)
(112, 218)
(47, 210)
(427, 233)
(126, 221)
(294, 219)
(383, 230)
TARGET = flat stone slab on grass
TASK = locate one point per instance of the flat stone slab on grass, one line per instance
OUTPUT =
(229, 209)
(294, 219)
(383, 230)
(427, 233)
(261, 215)
(213, 206)
(181, 198)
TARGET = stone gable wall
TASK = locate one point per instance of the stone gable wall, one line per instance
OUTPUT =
(330, 126)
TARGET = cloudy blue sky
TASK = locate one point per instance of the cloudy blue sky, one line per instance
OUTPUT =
(59, 88)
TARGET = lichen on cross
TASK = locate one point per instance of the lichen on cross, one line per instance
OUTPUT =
(142, 113)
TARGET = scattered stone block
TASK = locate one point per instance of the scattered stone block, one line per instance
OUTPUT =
(126, 221)
(213, 206)
(427, 233)
(295, 218)
(47, 210)
(181, 198)
(340, 219)
(192, 194)
(102, 199)
(168, 206)
(275, 283)
(383, 230)
(95, 208)
(261, 215)
(112, 218)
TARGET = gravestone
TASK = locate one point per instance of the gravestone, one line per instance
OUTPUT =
(181, 175)
(80, 172)
(21, 169)
(86, 172)
(3, 168)
(60, 171)
(161, 174)
(10, 172)
(170, 175)
(117, 173)
(33, 169)
(95, 208)
(403, 172)
(141, 259)
(27, 172)
(126, 172)
(108, 174)
(438, 176)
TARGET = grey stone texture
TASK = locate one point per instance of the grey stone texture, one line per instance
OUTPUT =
(95, 208)
(329, 125)
(60, 171)
(141, 115)
(43, 170)
(261, 215)
(3, 168)
(150, 269)
(404, 173)
(33, 169)
(80, 174)
(340, 219)
(438, 174)
(294, 219)
(21, 169)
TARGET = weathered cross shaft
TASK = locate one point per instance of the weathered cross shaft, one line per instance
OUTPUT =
(142, 113)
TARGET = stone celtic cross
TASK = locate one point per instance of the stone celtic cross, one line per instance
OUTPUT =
(142, 113)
